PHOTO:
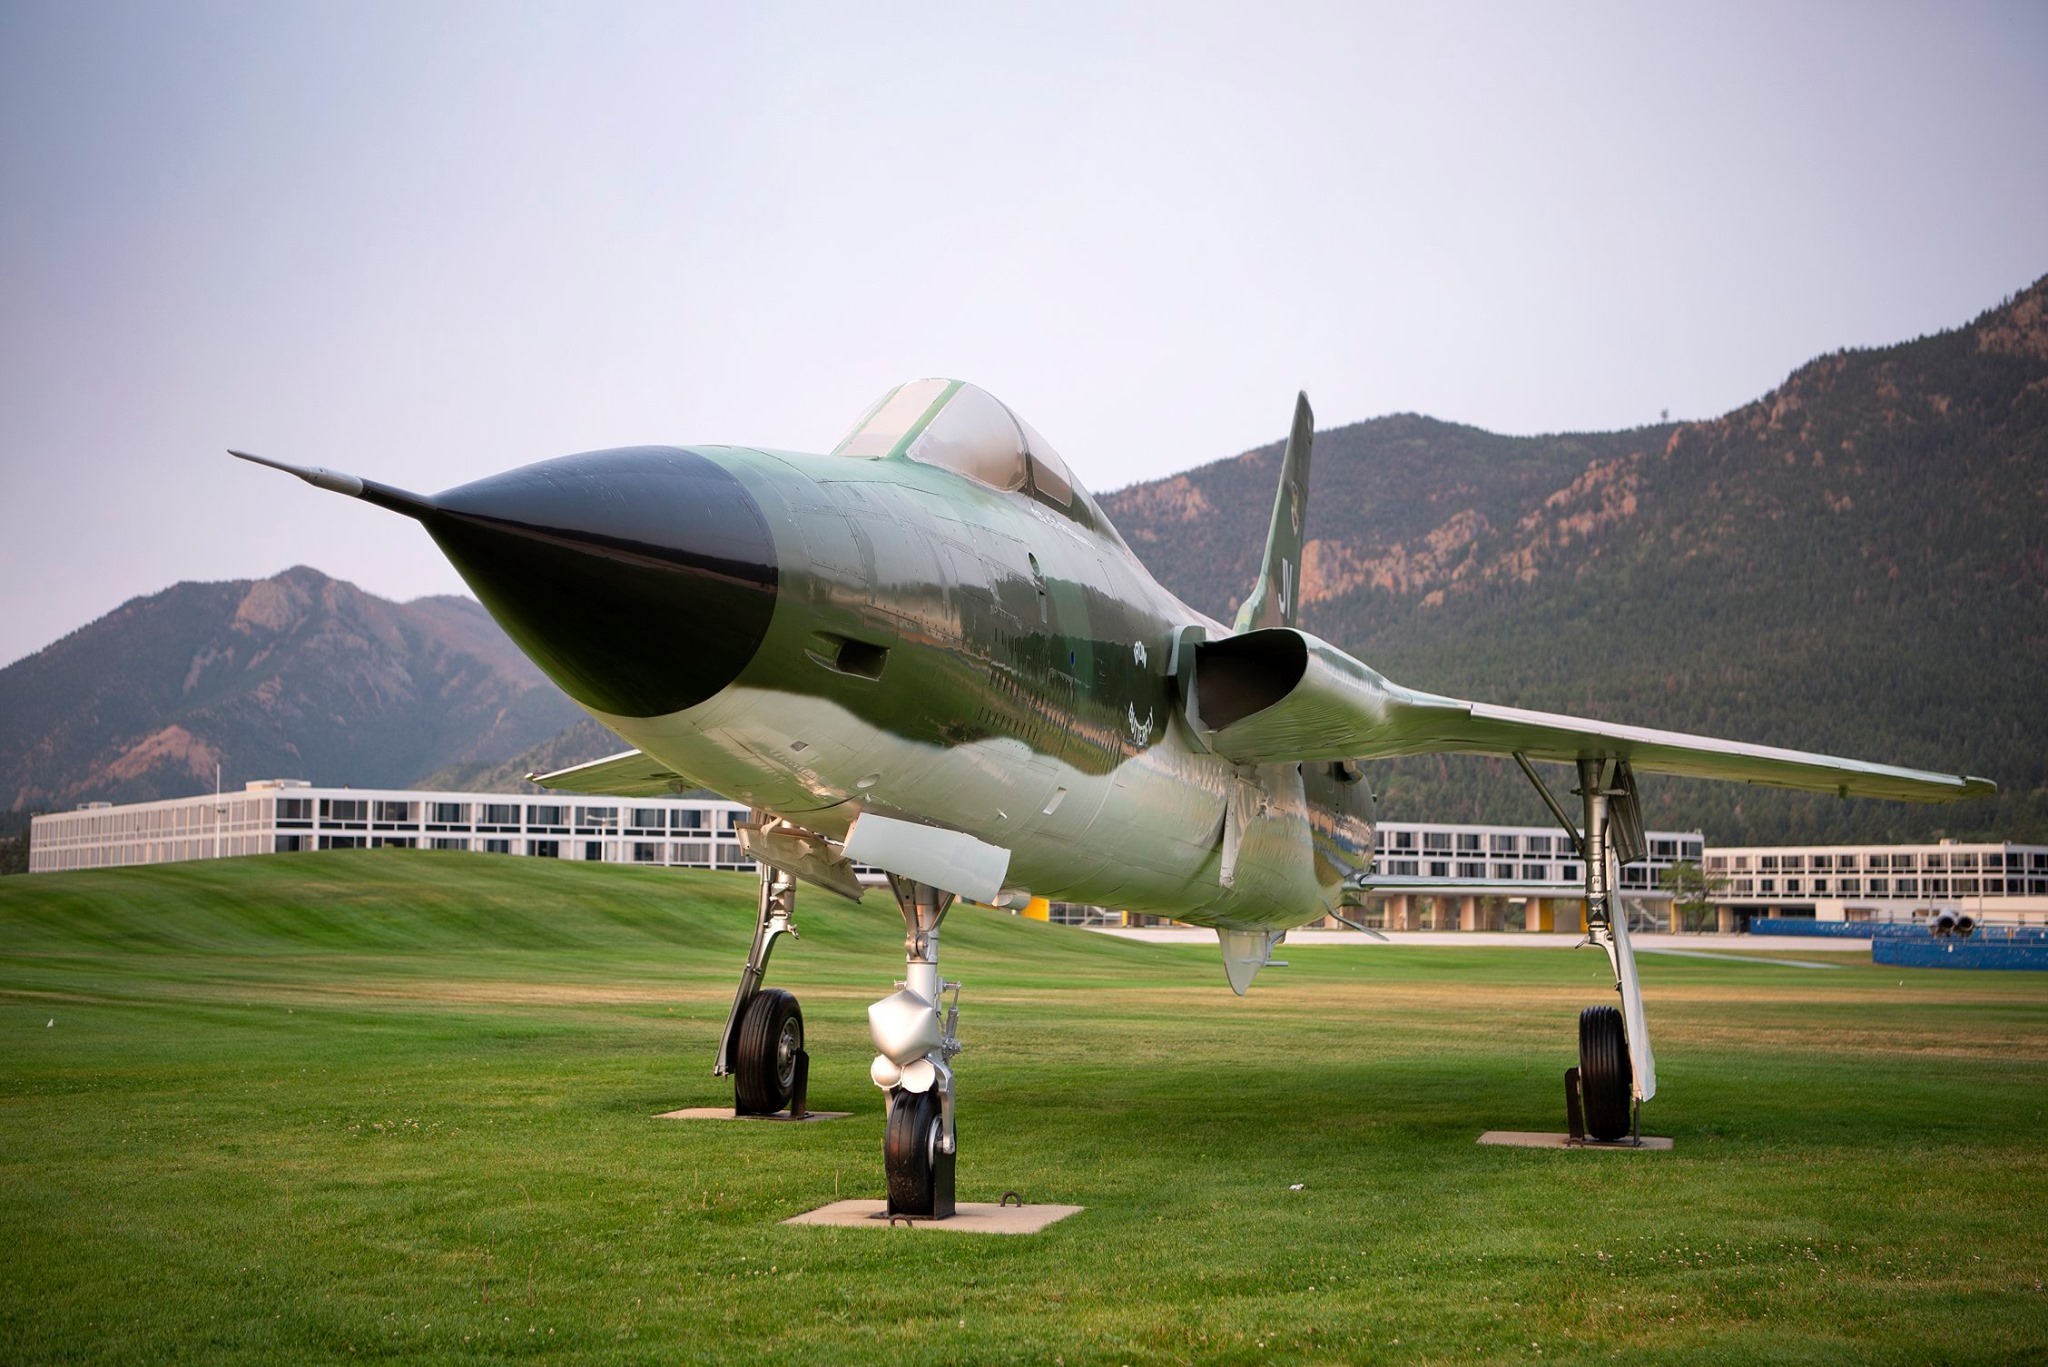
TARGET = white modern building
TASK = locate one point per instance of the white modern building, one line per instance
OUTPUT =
(1429, 875)
(1994, 882)
(275, 816)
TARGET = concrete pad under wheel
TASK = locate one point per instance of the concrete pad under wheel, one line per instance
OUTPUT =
(727, 1113)
(1529, 1139)
(969, 1217)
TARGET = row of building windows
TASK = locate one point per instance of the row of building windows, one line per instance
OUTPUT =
(721, 854)
(1887, 887)
(1395, 841)
(1477, 870)
(1931, 861)
(377, 814)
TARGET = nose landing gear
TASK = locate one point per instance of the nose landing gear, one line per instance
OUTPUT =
(913, 1068)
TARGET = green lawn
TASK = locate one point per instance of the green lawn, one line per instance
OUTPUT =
(398, 1105)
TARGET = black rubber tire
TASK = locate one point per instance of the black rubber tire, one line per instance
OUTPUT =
(764, 1062)
(1606, 1081)
(908, 1144)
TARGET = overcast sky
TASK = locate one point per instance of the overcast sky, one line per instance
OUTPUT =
(426, 242)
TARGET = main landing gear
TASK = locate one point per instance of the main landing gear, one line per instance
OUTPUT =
(1608, 1089)
(1616, 1071)
(762, 1049)
(919, 1143)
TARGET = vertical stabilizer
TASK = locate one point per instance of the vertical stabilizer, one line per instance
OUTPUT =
(1273, 599)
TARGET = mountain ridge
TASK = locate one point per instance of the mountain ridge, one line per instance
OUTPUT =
(299, 674)
(1820, 568)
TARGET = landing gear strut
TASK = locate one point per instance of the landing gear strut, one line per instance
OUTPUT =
(919, 1144)
(762, 1049)
(1615, 1070)
(1614, 836)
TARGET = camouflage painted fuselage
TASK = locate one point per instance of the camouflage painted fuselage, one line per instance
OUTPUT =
(987, 661)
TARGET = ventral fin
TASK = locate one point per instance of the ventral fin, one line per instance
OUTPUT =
(1245, 952)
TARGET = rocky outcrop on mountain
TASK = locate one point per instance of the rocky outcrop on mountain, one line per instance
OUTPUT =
(298, 675)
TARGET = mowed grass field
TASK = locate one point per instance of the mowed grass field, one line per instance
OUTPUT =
(399, 1105)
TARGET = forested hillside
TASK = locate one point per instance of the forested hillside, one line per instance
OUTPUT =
(581, 743)
(1857, 562)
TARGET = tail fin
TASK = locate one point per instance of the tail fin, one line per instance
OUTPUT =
(1273, 599)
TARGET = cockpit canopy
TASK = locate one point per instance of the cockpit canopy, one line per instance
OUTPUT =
(965, 429)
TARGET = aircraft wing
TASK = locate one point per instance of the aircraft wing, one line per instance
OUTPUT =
(1276, 695)
(1484, 728)
(631, 774)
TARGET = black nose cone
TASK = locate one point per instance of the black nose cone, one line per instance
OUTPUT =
(640, 580)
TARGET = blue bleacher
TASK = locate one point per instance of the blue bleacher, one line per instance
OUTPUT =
(1889, 930)
(1929, 951)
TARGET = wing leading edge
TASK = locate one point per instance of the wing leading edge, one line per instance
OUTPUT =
(631, 774)
(1279, 694)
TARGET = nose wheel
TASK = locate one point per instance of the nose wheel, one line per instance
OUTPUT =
(919, 1171)
(919, 1145)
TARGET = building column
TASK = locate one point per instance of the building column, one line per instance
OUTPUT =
(1724, 920)
(1468, 913)
(1397, 912)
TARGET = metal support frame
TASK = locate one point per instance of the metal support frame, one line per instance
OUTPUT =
(1613, 835)
(777, 907)
(1600, 782)
(1556, 809)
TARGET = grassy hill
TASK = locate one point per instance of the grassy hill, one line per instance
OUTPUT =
(397, 1105)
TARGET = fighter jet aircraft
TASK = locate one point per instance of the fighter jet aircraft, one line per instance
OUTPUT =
(930, 652)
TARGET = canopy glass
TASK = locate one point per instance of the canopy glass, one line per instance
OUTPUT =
(960, 427)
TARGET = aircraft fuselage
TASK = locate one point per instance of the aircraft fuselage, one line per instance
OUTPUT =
(937, 651)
